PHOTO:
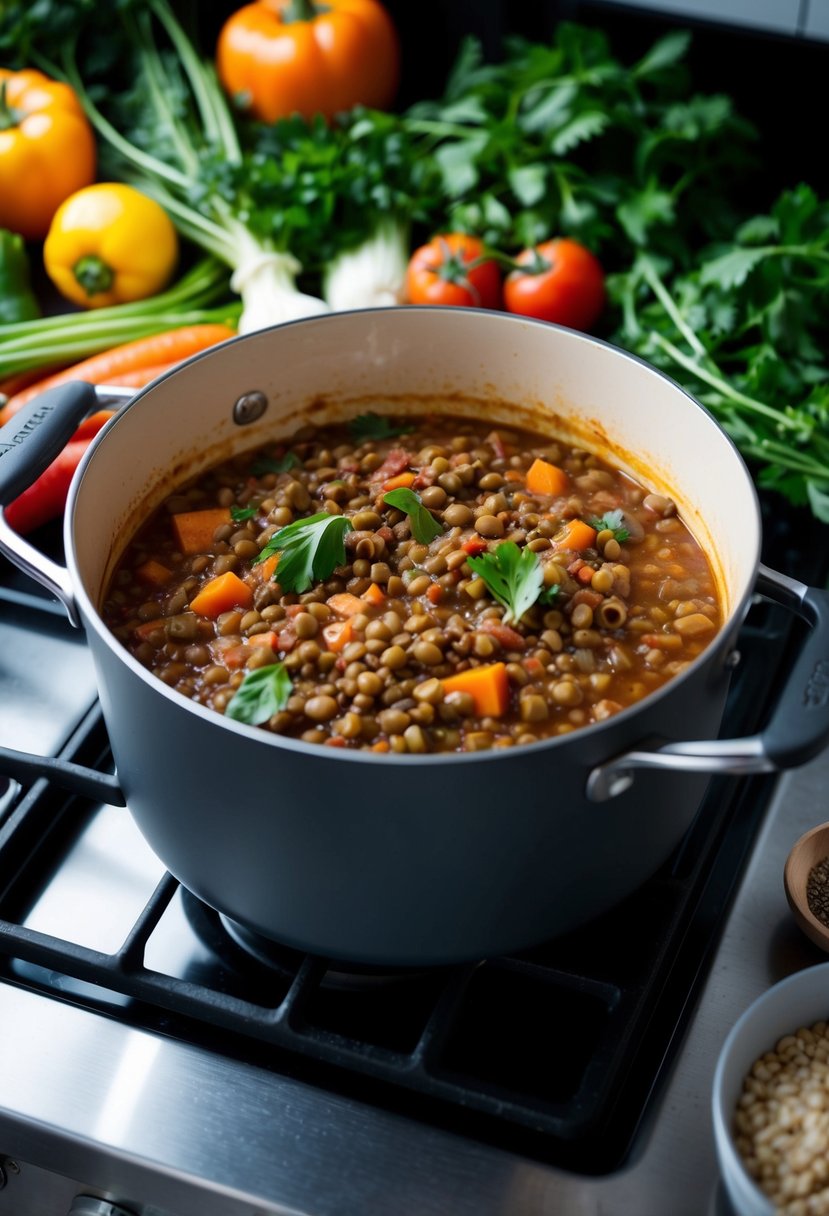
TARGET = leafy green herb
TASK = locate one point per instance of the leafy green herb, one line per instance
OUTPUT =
(745, 332)
(514, 577)
(423, 523)
(280, 464)
(263, 692)
(240, 514)
(567, 138)
(375, 426)
(309, 550)
(612, 521)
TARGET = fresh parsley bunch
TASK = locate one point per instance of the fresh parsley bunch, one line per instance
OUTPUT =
(566, 139)
(747, 332)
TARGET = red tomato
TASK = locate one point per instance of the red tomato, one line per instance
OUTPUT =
(452, 269)
(563, 282)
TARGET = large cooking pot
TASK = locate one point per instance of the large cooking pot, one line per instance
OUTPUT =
(412, 859)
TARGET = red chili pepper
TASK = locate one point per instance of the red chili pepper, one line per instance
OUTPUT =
(45, 498)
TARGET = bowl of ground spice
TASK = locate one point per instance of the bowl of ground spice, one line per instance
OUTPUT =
(806, 879)
(771, 1101)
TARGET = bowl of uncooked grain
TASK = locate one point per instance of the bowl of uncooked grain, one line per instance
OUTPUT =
(771, 1101)
(806, 879)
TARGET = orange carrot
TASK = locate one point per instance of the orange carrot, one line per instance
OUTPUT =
(194, 529)
(513, 475)
(488, 686)
(11, 385)
(222, 593)
(148, 628)
(346, 604)
(434, 593)
(267, 568)
(153, 573)
(401, 482)
(373, 594)
(338, 634)
(159, 350)
(575, 535)
(91, 425)
(264, 639)
(546, 478)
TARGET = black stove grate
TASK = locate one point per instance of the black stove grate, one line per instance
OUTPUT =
(554, 1052)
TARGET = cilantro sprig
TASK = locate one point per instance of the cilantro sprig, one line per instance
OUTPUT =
(514, 576)
(309, 550)
(375, 426)
(240, 515)
(423, 523)
(276, 464)
(612, 521)
(262, 693)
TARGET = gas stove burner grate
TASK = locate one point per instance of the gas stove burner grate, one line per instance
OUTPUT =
(262, 958)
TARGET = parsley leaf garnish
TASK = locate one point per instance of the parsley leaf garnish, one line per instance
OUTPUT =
(263, 692)
(309, 550)
(514, 577)
(281, 464)
(240, 514)
(612, 521)
(375, 426)
(423, 523)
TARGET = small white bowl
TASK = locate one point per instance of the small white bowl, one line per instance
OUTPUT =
(800, 1000)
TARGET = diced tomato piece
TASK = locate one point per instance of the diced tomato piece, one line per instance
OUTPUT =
(509, 638)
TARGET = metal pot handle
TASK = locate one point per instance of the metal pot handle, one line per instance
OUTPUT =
(29, 442)
(797, 731)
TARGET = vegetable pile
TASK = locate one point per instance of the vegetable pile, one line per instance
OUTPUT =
(559, 183)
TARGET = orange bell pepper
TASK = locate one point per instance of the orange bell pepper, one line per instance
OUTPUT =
(47, 150)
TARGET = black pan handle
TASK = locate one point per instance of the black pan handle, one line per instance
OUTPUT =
(37, 433)
(797, 731)
(87, 782)
(29, 442)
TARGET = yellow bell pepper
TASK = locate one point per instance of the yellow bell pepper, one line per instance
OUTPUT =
(47, 150)
(109, 244)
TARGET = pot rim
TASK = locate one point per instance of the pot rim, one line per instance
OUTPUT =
(582, 735)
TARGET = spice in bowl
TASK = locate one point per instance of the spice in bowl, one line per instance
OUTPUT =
(781, 1125)
(817, 891)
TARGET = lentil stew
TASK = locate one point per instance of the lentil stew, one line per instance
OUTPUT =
(445, 586)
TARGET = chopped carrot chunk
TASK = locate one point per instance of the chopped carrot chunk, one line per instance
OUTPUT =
(546, 478)
(267, 568)
(222, 593)
(338, 634)
(148, 628)
(488, 686)
(374, 594)
(401, 482)
(194, 529)
(575, 535)
(346, 604)
(153, 573)
(264, 639)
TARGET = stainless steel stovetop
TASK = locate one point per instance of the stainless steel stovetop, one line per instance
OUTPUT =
(89, 1105)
